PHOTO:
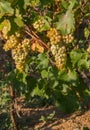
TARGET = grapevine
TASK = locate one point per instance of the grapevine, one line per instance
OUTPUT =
(49, 43)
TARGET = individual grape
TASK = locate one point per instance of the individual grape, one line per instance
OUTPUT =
(54, 36)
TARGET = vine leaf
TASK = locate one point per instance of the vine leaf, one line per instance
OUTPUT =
(26, 2)
(79, 59)
(43, 61)
(75, 56)
(5, 8)
(68, 5)
(44, 74)
(72, 3)
(66, 22)
(19, 22)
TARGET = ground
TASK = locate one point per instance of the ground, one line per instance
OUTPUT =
(30, 119)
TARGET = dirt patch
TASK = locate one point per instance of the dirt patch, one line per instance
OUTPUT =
(30, 119)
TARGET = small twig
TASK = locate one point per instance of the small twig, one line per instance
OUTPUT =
(34, 36)
(52, 62)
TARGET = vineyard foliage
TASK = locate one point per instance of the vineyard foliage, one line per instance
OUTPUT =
(49, 41)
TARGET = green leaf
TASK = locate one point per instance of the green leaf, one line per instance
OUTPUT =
(5, 23)
(31, 85)
(63, 76)
(37, 91)
(44, 74)
(80, 59)
(68, 5)
(84, 63)
(14, 26)
(50, 116)
(19, 22)
(65, 4)
(72, 3)
(42, 118)
(5, 8)
(22, 77)
(43, 61)
(75, 56)
(18, 19)
(46, 2)
(47, 22)
(86, 32)
(68, 103)
(26, 2)
(72, 77)
(66, 22)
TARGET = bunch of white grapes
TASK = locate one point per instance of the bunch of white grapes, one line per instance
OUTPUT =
(59, 52)
(39, 24)
(57, 47)
(20, 48)
(54, 36)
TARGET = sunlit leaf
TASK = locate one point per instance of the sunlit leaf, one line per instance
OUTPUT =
(5, 8)
(18, 21)
(66, 22)
(44, 74)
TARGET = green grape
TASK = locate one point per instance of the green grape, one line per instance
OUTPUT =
(59, 53)
(20, 48)
(20, 54)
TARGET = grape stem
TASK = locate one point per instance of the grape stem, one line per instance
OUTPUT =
(34, 36)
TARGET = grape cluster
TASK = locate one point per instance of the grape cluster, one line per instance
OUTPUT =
(38, 25)
(20, 54)
(68, 38)
(57, 47)
(59, 52)
(54, 36)
(11, 43)
(20, 48)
